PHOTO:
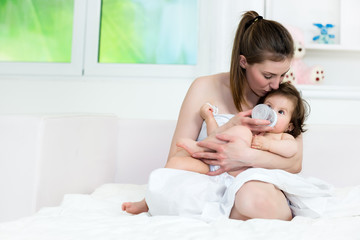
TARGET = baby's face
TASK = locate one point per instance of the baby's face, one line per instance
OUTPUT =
(284, 108)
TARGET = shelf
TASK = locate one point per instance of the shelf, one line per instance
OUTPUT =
(330, 92)
(331, 47)
(339, 60)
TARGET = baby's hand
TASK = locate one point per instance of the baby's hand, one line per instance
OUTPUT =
(206, 111)
(260, 142)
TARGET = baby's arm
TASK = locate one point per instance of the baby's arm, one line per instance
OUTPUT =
(286, 146)
(206, 112)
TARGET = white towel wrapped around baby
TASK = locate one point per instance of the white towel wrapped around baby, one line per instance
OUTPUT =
(189, 194)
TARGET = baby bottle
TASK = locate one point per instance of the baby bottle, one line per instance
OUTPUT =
(263, 111)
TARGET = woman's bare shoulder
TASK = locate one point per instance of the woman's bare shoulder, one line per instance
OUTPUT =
(214, 89)
(214, 80)
(216, 77)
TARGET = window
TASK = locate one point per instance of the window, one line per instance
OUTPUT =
(41, 37)
(101, 37)
(149, 32)
(166, 55)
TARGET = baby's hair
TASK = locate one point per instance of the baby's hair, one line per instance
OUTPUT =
(257, 39)
(301, 107)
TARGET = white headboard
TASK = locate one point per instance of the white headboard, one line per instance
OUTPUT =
(330, 151)
(143, 146)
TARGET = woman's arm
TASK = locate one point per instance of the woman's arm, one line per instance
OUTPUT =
(273, 161)
(244, 119)
(189, 121)
(234, 154)
(285, 147)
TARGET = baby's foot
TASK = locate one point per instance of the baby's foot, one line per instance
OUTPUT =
(189, 145)
(135, 207)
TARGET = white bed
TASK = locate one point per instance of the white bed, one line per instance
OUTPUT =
(99, 216)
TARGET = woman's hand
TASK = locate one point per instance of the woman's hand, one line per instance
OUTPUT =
(244, 119)
(231, 155)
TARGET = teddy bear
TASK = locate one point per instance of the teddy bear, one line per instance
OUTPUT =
(299, 72)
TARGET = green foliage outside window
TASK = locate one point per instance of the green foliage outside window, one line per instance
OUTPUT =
(149, 31)
(36, 30)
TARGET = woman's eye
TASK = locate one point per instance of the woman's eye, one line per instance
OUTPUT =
(268, 77)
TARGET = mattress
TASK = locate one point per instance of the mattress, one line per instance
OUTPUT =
(99, 216)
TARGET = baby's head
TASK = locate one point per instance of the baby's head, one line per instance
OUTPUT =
(296, 108)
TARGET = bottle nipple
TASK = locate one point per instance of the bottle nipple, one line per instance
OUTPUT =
(263, 111)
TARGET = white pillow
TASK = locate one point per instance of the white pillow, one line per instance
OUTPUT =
(120, 192)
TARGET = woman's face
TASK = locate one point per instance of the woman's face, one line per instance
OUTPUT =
(265, 76)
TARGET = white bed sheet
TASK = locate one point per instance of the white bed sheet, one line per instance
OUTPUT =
(99, 216)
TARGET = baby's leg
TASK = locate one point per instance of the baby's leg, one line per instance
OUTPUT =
(243, 133)
(190, 146)
(135, 207)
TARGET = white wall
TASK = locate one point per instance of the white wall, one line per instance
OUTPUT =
(137, 98)
(128, 98)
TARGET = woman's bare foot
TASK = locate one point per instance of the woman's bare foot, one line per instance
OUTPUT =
(135, 207)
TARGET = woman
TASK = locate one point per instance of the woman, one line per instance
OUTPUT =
(261, 56)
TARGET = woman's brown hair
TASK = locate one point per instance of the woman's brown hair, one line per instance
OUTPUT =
(258, 40)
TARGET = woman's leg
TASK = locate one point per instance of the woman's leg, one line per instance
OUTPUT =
(181, 160)
(257, 199)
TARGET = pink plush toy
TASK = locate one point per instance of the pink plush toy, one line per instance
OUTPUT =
(299, 72)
